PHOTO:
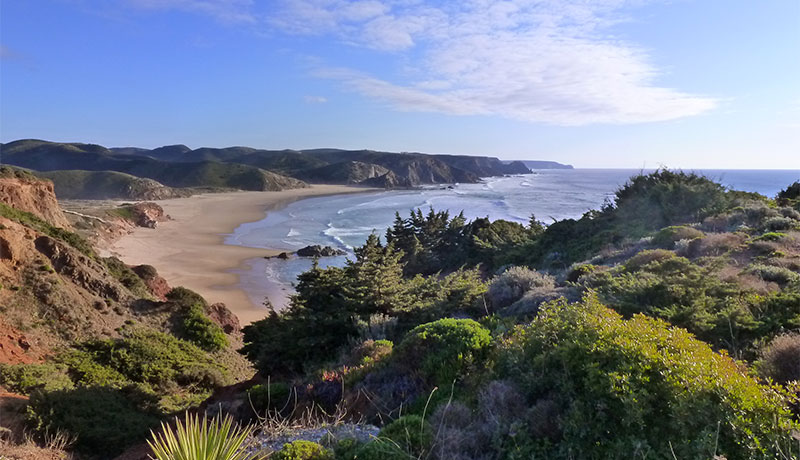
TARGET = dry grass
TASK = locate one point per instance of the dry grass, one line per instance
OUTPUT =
(780, 359)
(715, 244)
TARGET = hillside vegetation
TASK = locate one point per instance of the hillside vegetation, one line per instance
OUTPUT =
(664, 325)
(65, 158)
(100, 185)
(101, 356)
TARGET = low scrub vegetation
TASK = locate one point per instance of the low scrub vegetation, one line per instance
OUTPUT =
(663, 325)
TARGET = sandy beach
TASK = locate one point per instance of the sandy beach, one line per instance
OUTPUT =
(189, 251)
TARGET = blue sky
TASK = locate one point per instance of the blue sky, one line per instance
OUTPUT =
(595, 83)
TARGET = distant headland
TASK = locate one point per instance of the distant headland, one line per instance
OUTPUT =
(90, 171)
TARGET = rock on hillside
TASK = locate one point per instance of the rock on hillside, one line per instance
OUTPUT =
(28, 193)
(388, 180)
(345, 172)
(273, 182)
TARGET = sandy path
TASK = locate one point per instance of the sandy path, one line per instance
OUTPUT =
(189, 251)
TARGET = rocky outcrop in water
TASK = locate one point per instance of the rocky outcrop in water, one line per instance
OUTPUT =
(319, 251)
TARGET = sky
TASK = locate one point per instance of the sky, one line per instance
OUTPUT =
(593, 83)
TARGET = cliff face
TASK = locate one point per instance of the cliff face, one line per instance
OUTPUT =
(346, 172)
(53, 274)
(27, 193)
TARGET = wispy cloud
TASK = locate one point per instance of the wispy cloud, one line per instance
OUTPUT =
(315, 99)
(548, 61)
(226, 11)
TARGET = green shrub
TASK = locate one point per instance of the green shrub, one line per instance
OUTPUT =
(186, 298)
(381, 449)
(157, 361)
(778, 275)
(621, 386)
(303, 450)
(370, 351)
(577, 271)
(792, 192)
(346, 449)
(646, 257)
(25, 378)
(445, 349)
(667, 237)
(145, 272)
(770, 236)
(512, 284)
(412, 433)
(104, 420)
(126, 276)
(269, 396)
(780, 223)
(198, 328)
(86, 371)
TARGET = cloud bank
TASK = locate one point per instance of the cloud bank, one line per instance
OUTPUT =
(547, 61)
(541, 61)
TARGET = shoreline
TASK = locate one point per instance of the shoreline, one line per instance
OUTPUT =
(190, 249)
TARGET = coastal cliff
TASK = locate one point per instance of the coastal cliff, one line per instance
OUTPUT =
(88, 171)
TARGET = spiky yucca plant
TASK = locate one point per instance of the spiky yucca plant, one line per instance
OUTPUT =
(196, 439)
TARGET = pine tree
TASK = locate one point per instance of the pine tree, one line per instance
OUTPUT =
(376, 283)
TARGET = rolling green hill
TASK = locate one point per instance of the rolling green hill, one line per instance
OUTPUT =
(96, 185)
(53, 156)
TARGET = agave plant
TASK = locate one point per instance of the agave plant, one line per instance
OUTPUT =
(216, 439)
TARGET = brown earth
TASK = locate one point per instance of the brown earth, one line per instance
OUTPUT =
(34, 196)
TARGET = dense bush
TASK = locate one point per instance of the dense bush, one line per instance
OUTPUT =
(185, 298)
(577, 271)
(650, 256)
(199, 329)
(792, 192)
(513, 283)
(126, 276)
(620, 387)
(380, 449)
(303, 450)
(715, 244)
(780, 359)
(445, 349)
(411, 433)
(778, 223)
(369, 351)
(667, 237)
(778, 275)
(157, 361)
(25, 378)
(104, 420)
(271, 396)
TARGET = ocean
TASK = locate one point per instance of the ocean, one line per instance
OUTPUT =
(345, 221)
